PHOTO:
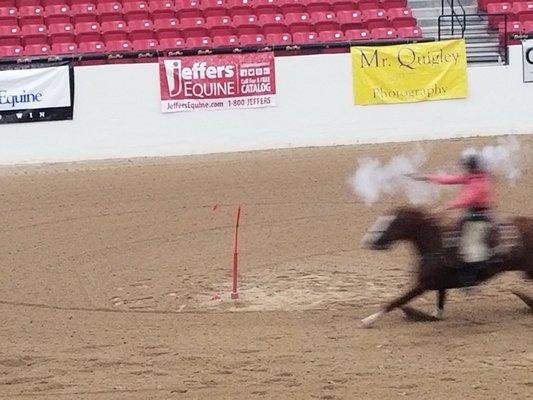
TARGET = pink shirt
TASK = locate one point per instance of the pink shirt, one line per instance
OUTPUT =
(476, 192)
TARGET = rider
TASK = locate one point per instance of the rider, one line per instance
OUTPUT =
(476, 201)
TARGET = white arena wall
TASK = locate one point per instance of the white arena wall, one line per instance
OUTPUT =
(117, 114)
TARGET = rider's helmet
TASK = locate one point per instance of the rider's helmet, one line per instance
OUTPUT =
(472, 163)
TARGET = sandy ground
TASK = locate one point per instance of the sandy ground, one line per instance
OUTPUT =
(108, 270)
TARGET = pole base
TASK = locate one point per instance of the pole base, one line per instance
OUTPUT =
(234, 295)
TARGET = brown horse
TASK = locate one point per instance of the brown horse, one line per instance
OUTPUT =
(437, 267)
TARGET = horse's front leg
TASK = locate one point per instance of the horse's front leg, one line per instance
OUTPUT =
(398, 302)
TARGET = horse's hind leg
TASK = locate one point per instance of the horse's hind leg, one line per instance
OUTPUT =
(398, 302)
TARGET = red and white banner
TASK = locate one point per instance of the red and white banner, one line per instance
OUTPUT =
(217, 82)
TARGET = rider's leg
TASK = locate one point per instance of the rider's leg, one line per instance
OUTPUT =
(474, 249)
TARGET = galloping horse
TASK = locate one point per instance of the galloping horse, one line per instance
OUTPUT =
(437, 267)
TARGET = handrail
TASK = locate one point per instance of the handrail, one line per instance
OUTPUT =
(455, 15)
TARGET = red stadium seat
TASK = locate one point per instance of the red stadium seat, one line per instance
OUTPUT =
(388, 4)
(383, 33)
(172, 43)
(375, 18)
(31, 15)
(350, 20)
(273, 23)
(110, 11)
(513, 28)
(83, 13)
(25, 3)
(357, 34)
(135, 10)
(523, 11)
(246, 24)
(188, 9)
(314, 6)
(113, 26)
(10, 41)
(193, 27)
(304, 37)
(527, 27)
(162, 9)
(36, 50)
(220, 26)
(199, 42)
(118, 45)
(324, 21)
(87, 32)
(138, 25)
(57, 14)
(166, 28)
(266, 7)
(34, 34)
(252, 40)
(278, 39)
(11, 51)
(369, 5)
(9, 31)
(499, 8)
(213, 8)
(226, 40)
(292, 6)
(64, 48)
(8, 16)
(331, 36)
(344, 5)
(410, 32)
(62, 33)
(401, 17)
(145, 44)
(114, 31)
(8, 3)
(299, 22)
(239, 7)
(91, 47)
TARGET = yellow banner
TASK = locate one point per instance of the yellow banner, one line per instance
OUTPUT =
(409, 72)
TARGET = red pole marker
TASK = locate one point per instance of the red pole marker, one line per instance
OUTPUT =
(235, 271)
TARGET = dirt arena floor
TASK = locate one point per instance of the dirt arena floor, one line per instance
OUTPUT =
(108, 271)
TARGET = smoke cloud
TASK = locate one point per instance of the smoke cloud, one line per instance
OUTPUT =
(503, 159)
(372, 180)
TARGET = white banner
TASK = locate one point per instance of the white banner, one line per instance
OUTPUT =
(36, 93)
(527, 48)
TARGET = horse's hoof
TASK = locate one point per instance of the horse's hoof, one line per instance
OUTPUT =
(438, 313)
(370, 320)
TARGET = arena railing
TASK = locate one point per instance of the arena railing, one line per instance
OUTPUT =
(147, 56)
(470, 30)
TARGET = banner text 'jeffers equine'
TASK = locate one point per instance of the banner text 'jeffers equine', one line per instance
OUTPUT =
(217, 82)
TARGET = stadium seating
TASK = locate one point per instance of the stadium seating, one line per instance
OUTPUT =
(42, 27)
(510, 18)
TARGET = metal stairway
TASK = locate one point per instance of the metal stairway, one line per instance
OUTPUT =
(482, 43)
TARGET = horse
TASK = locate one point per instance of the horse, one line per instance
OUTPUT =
(438, 264)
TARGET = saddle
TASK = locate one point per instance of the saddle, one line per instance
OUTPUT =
(502, 239)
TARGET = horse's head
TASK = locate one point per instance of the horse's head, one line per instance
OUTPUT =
(400, 225)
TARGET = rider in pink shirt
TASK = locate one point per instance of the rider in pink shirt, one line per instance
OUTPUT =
(475, 199)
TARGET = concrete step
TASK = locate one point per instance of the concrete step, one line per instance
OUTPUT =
(437, 3)
(484, 57)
